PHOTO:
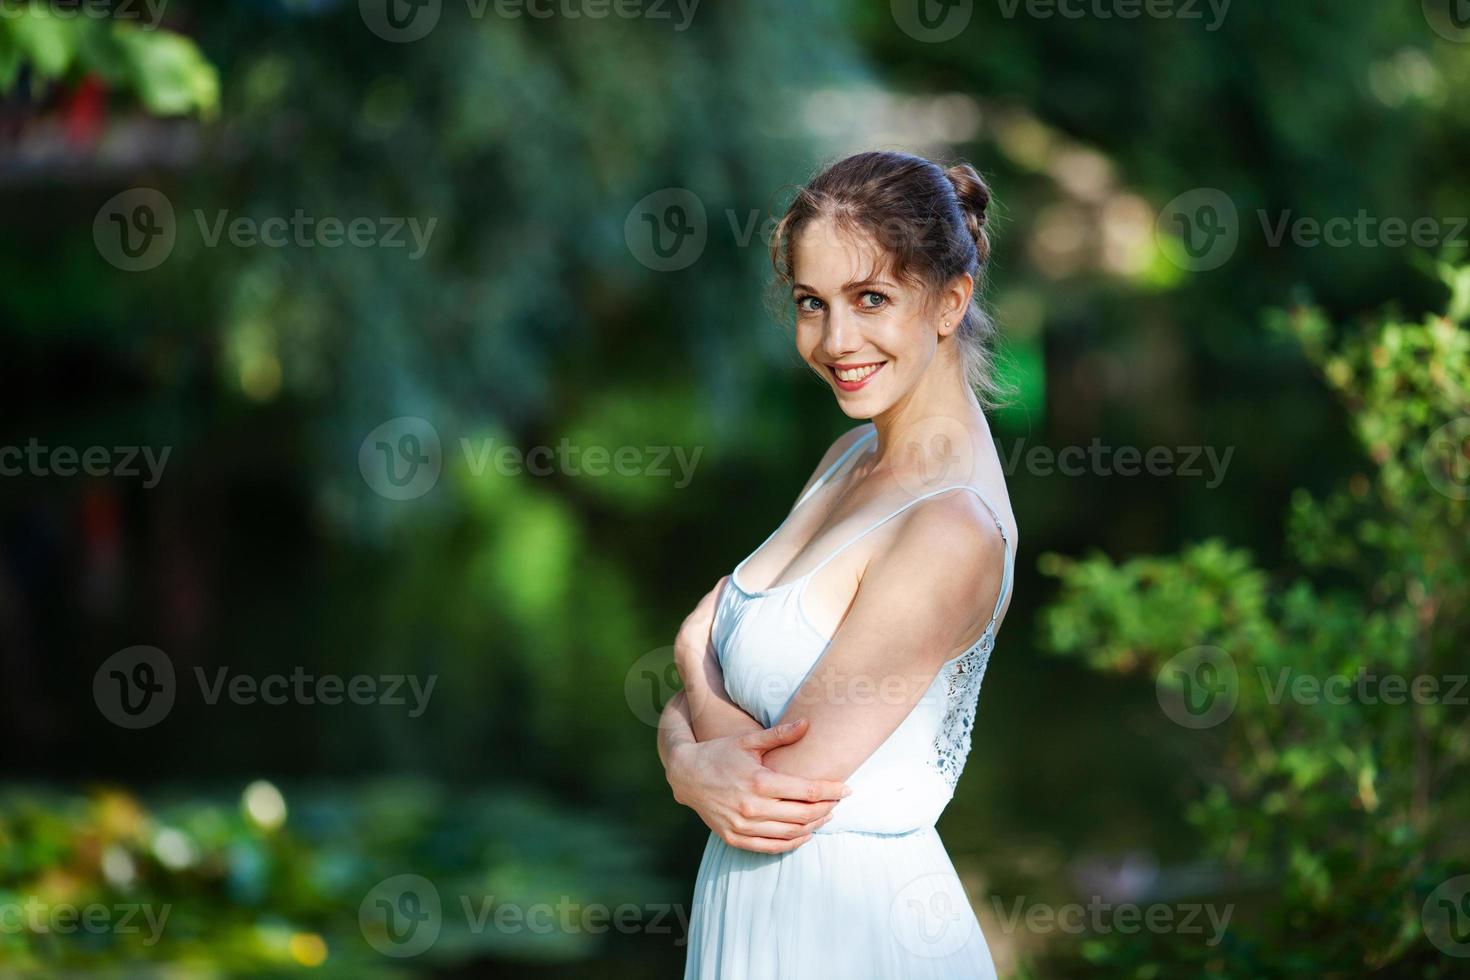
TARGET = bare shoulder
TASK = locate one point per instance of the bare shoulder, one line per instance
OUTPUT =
(954, 532)
(839, 446)
(942, 569)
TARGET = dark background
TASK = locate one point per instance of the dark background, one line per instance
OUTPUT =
(534, 316)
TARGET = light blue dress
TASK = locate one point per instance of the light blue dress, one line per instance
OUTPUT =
(873, 894)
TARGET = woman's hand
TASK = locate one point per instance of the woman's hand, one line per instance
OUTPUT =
(747, 805)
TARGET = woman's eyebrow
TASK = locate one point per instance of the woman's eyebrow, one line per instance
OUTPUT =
(801, 287)
(864, 283)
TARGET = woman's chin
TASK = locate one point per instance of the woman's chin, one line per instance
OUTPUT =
(857, 405)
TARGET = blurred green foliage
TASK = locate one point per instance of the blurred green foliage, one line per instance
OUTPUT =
(530, 320)
(197, 883)
(1341, 807)
(165, 70)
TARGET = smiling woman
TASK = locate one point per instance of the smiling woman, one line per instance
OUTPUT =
(830, 682)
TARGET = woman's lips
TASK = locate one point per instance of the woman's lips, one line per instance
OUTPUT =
(851, 377)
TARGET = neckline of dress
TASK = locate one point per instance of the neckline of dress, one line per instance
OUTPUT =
(989, 632)
(849, 455)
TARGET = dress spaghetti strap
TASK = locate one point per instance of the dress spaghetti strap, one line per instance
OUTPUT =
(836, 465)
(1007, 572)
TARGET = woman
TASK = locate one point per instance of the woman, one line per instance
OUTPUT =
(831, 678)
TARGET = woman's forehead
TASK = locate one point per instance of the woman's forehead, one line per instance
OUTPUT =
(828, 253)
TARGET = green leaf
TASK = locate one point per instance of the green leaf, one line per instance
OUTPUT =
(169, 73)
(48, 43)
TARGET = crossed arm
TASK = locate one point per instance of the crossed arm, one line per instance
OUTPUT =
(922, 600)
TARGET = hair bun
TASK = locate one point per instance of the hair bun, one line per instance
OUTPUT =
(974, 197)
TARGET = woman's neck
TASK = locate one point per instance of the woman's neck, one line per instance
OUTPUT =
(940, 409)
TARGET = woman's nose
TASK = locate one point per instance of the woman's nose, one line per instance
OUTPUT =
(840, 335)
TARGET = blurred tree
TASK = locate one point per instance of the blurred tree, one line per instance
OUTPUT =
(1343, 737)
(164, 70)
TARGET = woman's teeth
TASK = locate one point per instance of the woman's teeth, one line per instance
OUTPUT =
(857, 373)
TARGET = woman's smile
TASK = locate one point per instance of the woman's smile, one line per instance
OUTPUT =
(851, 377)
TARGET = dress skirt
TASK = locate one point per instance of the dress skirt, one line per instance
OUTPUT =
(851, 904)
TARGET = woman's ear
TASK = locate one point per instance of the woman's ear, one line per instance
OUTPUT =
(954, 300)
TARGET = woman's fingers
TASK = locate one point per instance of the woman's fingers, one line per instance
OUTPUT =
(789, 811)
(765, 845)
(777, 830)
(783, 786)
(775, 736)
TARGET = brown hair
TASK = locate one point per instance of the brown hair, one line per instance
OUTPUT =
(929, 220)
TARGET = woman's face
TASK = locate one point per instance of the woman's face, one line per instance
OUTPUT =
(871, 336)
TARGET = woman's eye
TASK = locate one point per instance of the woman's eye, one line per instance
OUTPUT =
(871, 300)
(808, 304)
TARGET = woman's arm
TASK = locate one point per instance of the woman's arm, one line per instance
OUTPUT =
(922, 600)
(711, 712)
(723, 780)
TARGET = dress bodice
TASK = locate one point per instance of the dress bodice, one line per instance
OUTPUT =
(767, 645)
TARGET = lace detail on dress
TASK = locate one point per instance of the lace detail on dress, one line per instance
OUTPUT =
(962, 693)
